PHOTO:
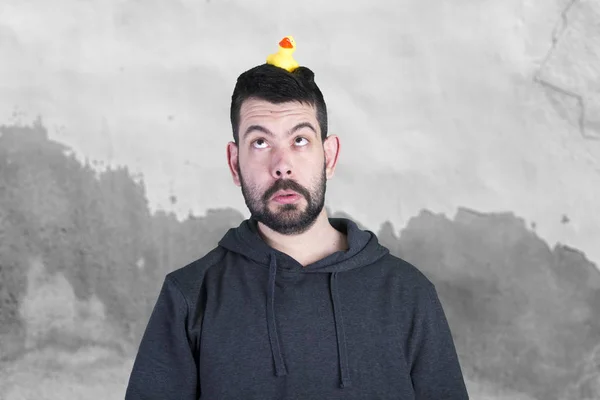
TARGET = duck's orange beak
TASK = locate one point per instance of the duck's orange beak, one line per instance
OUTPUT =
(285, 43)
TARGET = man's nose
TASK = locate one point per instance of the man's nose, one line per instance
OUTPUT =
(282, 164)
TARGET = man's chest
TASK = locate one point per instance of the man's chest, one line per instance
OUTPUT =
(310, 331)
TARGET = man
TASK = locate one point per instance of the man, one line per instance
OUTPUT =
(292, 304)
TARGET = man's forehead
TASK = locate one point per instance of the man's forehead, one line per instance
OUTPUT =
(258, 116)
(259, 107)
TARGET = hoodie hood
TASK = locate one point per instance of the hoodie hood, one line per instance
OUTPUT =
(363, 249)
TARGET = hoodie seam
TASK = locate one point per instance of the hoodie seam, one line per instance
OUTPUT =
(178, 287)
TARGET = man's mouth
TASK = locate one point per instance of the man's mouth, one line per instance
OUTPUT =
(286, 198)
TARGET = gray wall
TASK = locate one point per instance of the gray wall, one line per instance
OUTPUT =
(474, 128)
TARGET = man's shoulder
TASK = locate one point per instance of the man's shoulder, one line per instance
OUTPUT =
(190, 277)
(414, 285)
(406, 271)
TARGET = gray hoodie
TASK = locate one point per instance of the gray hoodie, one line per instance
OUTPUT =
(247, 321)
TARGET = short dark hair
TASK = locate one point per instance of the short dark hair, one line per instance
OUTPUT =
(276, 85)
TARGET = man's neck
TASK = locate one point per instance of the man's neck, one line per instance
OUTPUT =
(316, 243)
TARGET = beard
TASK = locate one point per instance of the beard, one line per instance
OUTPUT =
(287, 219)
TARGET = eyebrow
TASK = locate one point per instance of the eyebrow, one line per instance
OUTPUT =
(260, 128)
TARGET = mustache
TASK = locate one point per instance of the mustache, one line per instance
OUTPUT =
(285, 185)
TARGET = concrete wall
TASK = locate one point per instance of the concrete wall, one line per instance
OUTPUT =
(492, 106)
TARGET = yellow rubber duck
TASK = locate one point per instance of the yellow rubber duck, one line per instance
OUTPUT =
(283, 58)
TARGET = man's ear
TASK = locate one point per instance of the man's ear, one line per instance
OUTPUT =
(332, 148)
(233, 162)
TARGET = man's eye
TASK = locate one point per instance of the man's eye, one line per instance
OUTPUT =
(258, 141)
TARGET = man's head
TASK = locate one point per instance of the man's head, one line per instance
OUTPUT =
(279, 122)
(276, 85)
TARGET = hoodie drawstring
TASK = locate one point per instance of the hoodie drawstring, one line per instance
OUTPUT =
(280, 369)
(340, 333)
